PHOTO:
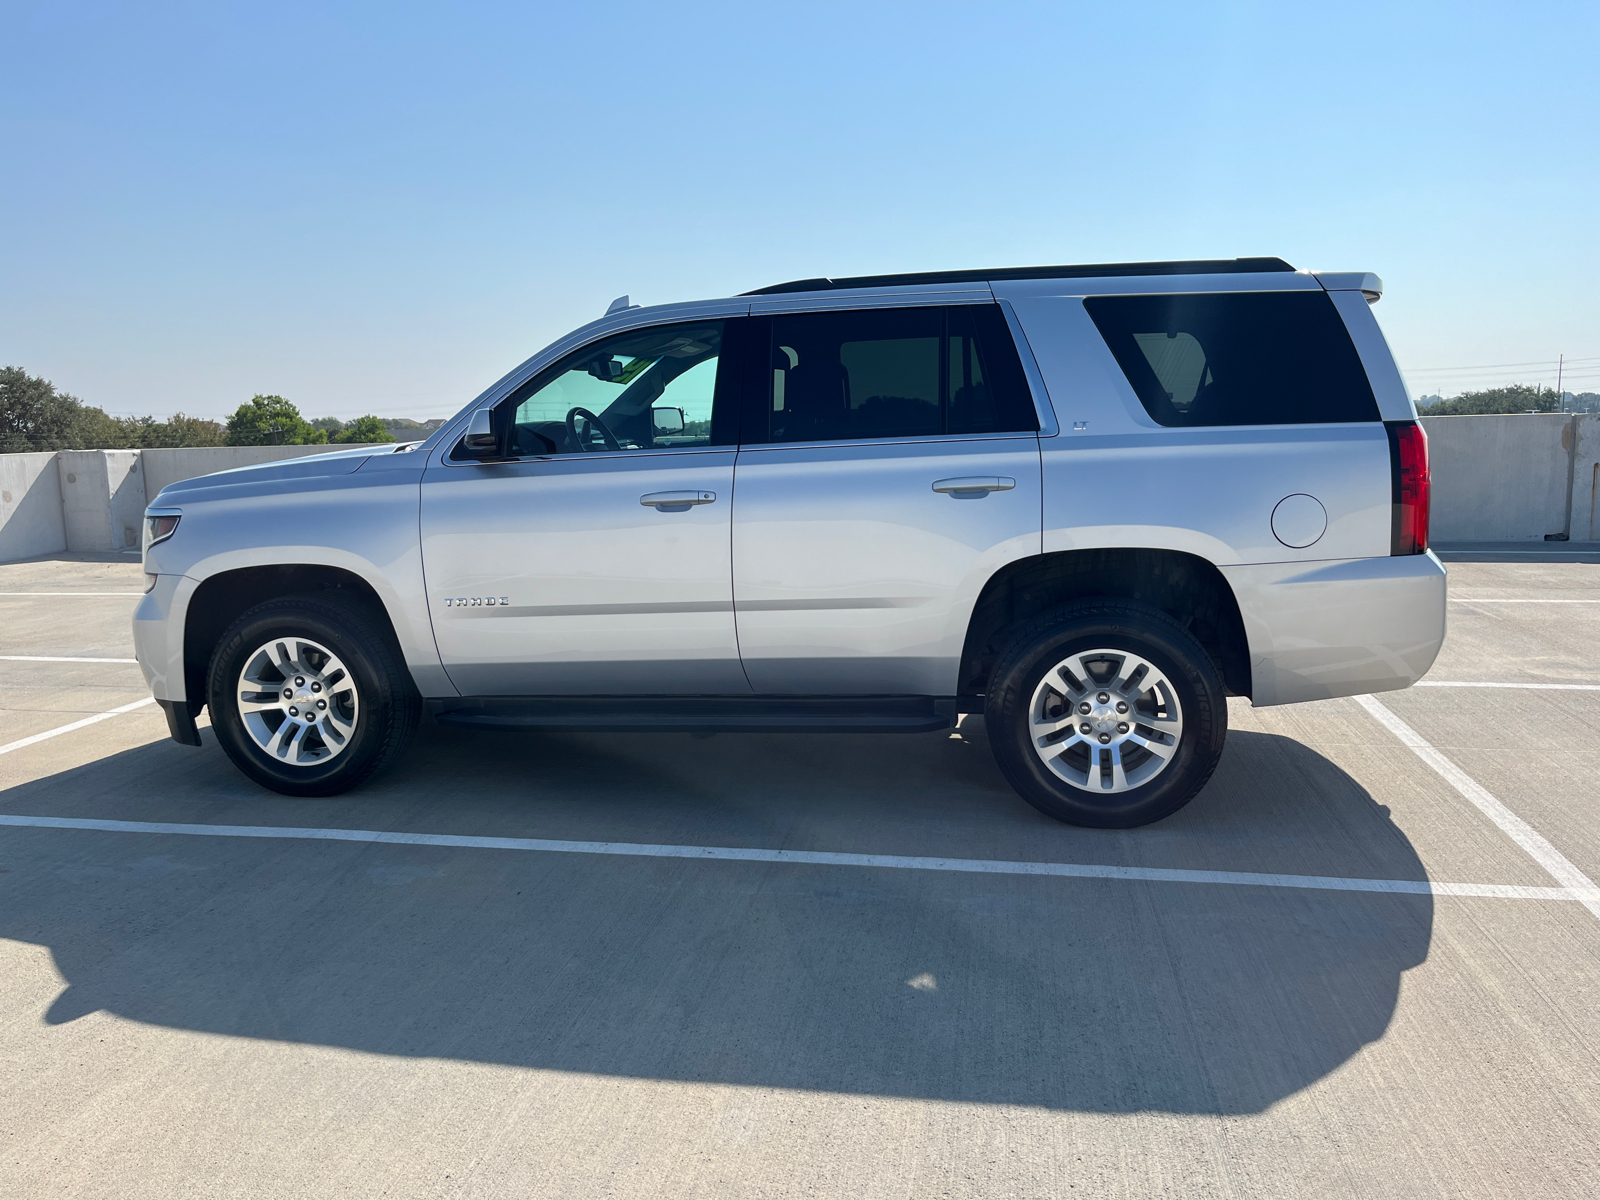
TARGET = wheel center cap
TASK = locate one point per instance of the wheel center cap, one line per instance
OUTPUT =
(303, 698)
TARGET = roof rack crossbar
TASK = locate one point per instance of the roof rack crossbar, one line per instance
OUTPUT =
(1216, 266)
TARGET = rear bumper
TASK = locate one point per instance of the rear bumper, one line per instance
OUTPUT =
(1339, 628)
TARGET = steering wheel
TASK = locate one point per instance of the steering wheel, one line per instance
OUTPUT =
(594, 423)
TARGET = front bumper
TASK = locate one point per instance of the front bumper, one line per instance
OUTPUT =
(1339, 628)
(158, 636)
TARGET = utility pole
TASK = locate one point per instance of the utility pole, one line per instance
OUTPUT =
(1561, 361)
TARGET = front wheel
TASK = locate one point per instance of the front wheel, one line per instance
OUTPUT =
(1106, 713)
(308, 695)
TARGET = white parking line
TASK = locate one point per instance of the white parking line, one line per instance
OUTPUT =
(57, 732)
(1514, 600)
(49, 658)
(1560, 867)
(977, 866)
(1537, 687)
(71, 593)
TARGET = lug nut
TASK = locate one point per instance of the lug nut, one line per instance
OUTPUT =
(1103, 697)
(287, 692)
(1121, 707)
(324, 704)
(1084, 728)
(1122, 727)
(293, 711)
(1084, 708)
(1105, 738)
(299, 681)
(316, 687)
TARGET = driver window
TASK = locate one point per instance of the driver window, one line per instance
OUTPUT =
(642, 390)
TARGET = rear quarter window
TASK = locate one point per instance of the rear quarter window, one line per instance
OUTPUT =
(1244, 358)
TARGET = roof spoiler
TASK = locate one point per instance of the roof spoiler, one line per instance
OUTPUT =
(1365, 282)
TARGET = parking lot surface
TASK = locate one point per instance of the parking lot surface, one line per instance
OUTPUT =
(1365, 961)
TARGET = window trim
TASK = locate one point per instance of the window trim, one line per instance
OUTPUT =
(909, 440)
(1044, 408)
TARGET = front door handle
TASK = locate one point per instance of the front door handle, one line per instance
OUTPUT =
(676, 501)
(973, 487)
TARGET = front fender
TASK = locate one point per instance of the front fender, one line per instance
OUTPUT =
(363, 523)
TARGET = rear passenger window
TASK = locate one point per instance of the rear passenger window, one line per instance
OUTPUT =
(1246, 358)
(884, 373)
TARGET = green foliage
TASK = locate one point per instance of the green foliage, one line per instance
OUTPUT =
(35, 416)
(272, 421)
(406, 430)
(1518, 398)
(364, 429)
(179, 430)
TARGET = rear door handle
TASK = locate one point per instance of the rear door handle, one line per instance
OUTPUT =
(973, 487)
(676, 501)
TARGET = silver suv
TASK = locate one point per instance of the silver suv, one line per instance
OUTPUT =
(1089, 503)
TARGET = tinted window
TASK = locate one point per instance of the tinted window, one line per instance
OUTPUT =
(907, 372)
(1253, 358)
(642, 390)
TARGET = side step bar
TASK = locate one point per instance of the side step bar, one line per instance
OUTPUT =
(698, 714)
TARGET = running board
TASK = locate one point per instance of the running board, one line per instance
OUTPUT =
(698, 714)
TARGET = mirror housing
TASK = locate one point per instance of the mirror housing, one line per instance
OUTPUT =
(480, 441)
(667, 420)
(607, 369)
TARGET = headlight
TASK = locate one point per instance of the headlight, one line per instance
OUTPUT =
(158, 527)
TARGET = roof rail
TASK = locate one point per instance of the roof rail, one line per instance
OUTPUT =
(1214, 266)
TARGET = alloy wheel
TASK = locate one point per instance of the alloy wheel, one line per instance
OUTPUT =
(297, 701)
(1105, 721)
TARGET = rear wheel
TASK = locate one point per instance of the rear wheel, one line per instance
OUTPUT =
(1106, 713)
(308, 695)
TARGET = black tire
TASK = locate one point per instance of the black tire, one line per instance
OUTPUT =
(1038, 646)
(390, 706)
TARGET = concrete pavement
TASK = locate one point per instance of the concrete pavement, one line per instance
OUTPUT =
(232, 1016)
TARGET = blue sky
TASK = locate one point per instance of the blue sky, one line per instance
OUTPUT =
(381, 208)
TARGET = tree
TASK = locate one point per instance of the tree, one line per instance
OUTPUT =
(34, 416)
(364, 429)
(181, 430)
(272, 421)
(1517, 398)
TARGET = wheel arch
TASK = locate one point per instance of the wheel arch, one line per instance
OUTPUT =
(1185, 586)
(219, 600)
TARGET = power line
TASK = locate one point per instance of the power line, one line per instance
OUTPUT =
(1543, 362)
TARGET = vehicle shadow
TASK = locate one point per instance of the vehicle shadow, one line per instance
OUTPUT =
(1070, 994)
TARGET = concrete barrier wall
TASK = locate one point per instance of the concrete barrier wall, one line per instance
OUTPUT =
(30, 507)
(94, 500)
(1500, 478)
(1586, 479)
(102, 498)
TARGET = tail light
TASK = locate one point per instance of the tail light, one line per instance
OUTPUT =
(1411, 487)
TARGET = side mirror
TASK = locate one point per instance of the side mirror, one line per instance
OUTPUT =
(667, 420)
(480, 440)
